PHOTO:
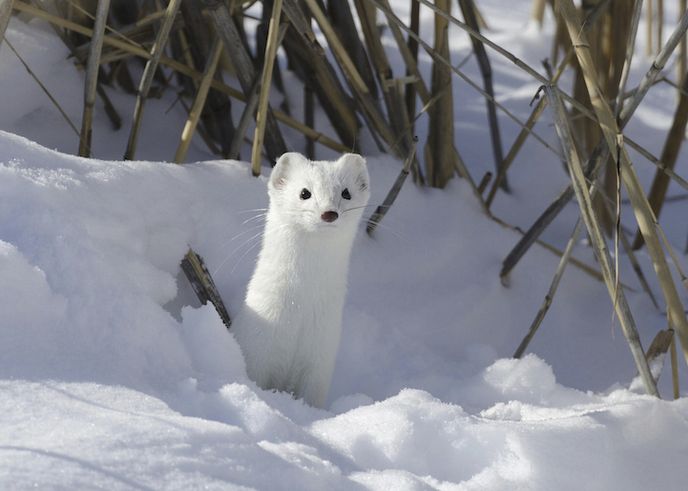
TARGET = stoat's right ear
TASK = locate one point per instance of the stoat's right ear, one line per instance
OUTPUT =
(281, 170)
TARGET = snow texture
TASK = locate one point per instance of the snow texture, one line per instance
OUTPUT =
(113, 377)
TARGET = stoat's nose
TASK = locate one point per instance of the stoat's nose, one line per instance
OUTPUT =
(330, 216)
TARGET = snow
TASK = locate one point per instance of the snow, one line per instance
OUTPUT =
(113, 377)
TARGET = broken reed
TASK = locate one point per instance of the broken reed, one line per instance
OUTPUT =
(191, 47)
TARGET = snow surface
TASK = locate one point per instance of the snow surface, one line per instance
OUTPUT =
(113, 377)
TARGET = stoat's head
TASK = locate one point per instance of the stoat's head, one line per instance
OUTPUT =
(319, 195)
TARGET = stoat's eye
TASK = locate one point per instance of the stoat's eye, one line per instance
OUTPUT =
(346, 194)
(305, 194)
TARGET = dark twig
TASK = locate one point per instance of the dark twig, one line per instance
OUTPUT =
(382, 210)
(554, 285)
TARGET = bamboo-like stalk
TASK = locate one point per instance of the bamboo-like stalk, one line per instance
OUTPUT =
(310, 61)
(245, 70)
(382, 210)
(199, 102)
(184, 70)
(649, 15)
(523, 134)
(580, 265)
(246, 118)
(440, 153)
(441, 59)
(674, 259)
(549, 297)
(5, 14)
(363, 96)
(672, 146)
(392, 92)
(408, 51)
(91, 82)
(192, 45)
(660, 22)
(594, 229)
(266, 79)
(590, 21)
(635, 264)
(537, 13)
(412, 45)
(468, 10)
(662, 166)
(641, 208)
(343, 21)
(630, 49)
(657, 65)
(601, 153)
(148, 73)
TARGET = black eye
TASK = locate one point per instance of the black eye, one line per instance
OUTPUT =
(346, 194)
(305, 194)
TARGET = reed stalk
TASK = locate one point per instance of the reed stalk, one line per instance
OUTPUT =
(199, 102)
(443, 60)
(549, 297)
(537, 12)
(601, 153)
(595, 230)
(670, 152)
(630, 49)
(245, 70)
(308, 59)
(91, 82)
(642, 210)
(247, 116)
(468, 9)
(649, 18)
(148, 73)
(266, 78)
(353, 77)
(412, 45)
(184, 70)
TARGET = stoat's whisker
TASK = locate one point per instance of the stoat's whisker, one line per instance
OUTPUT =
(255, 217)
(359, 207)
(243, 233)
(257, 238)
(253, 246)
(252, 210)
(386, 228)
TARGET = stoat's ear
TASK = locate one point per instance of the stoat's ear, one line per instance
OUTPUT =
(357, 164)
(284, 165)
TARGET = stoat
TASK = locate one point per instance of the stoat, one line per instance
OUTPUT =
(290, 324)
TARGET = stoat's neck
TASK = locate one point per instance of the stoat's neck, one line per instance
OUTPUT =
(299, 267)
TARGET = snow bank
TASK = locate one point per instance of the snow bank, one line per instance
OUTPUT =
(111, 378)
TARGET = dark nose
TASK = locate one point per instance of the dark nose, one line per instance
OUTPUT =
(329, 216)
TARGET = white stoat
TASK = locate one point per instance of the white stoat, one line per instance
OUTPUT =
(290, 325)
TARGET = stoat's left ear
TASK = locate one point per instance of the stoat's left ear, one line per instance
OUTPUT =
(358, 164)
(283, 167)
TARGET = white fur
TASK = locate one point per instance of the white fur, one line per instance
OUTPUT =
(290, 325)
